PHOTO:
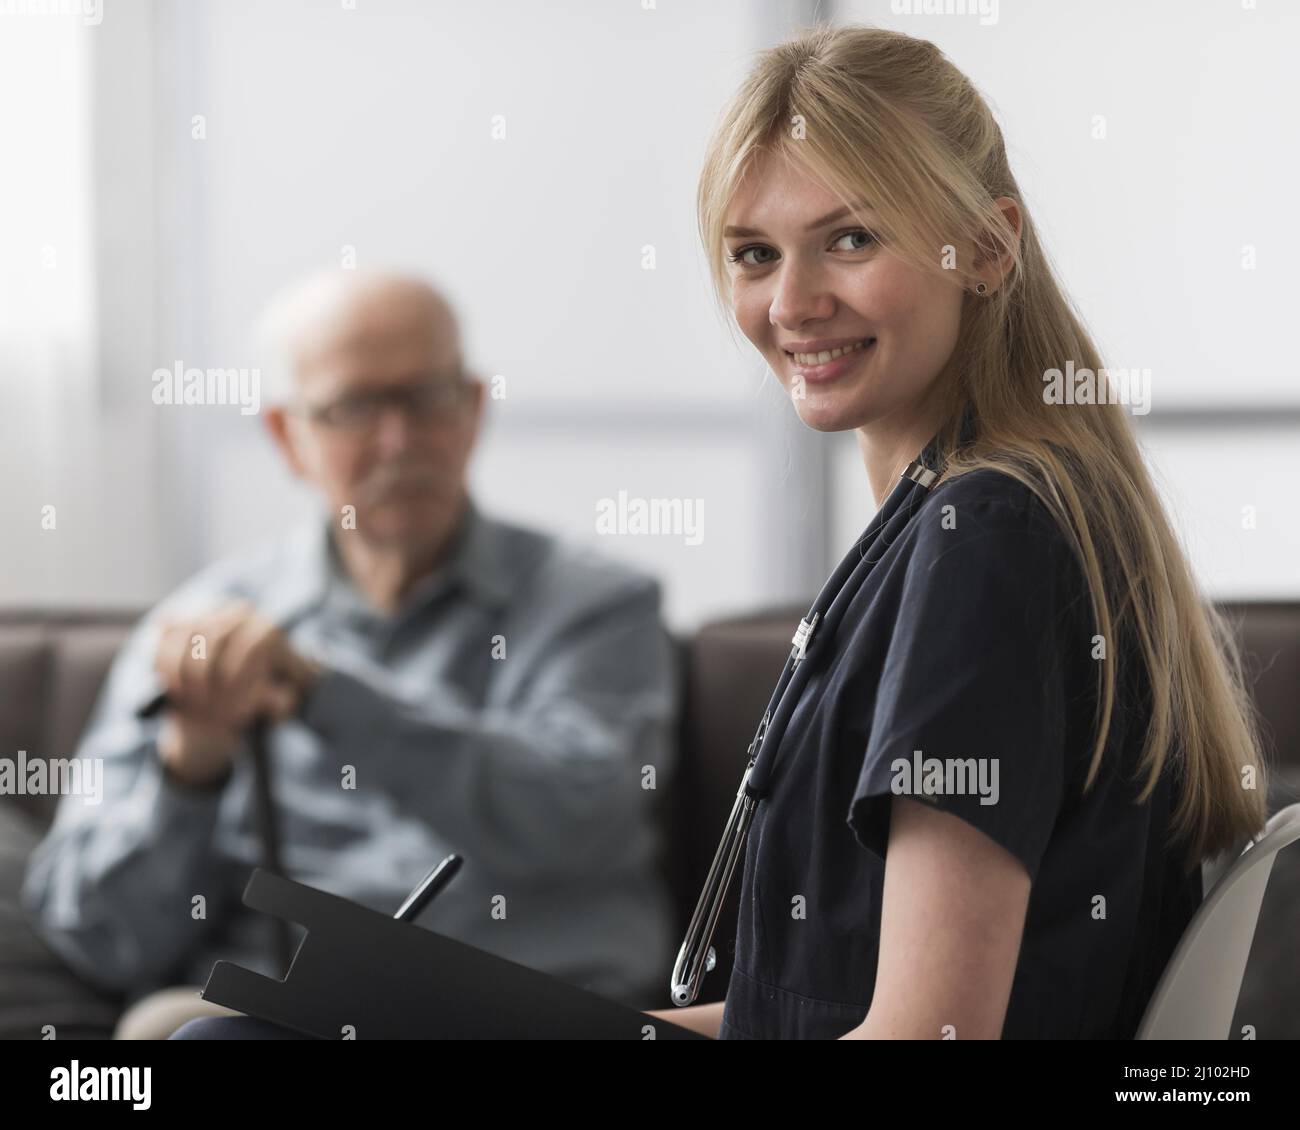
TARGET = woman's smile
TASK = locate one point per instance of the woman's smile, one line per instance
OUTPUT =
(817, 364)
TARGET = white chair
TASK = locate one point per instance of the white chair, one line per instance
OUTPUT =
(1198, 991)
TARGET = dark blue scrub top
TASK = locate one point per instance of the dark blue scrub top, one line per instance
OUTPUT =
(973, 642)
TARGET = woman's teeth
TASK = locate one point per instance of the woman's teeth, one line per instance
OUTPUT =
(830, 354)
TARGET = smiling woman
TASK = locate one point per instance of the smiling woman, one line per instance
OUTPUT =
(1018, 602)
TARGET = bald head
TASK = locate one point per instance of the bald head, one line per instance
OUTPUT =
(370, 403)
(339, 318)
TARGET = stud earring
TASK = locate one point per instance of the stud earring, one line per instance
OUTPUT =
(981, 288)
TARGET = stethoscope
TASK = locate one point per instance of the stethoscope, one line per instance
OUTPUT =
(696, 956)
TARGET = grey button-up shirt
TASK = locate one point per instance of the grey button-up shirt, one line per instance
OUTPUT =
(516, 709)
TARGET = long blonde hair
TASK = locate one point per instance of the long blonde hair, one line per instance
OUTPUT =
(881, 116)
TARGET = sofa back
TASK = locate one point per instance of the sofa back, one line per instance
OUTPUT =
(52, 665)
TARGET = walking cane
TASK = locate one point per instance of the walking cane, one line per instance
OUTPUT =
(268, 832)
(264, 819)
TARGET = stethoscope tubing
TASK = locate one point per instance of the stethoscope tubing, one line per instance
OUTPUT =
(696, 956)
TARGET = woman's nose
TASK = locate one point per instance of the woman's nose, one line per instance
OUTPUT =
(801, 296)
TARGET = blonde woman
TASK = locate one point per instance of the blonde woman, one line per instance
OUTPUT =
(1016, 729)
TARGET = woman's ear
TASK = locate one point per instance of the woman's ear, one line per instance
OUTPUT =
(1011, 213)
(992, 262)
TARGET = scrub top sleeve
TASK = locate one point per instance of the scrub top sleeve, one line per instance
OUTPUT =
(969, 714)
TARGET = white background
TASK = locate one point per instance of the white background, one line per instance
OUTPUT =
(371, 128)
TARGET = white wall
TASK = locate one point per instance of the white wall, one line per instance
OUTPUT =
(1148, 228)
(75, 507)
(371, 128)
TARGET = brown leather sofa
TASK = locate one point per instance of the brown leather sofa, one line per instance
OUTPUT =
(51, 666)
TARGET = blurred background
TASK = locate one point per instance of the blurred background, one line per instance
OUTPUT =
(172, 163)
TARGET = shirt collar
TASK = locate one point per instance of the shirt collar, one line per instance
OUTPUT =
(477, 563)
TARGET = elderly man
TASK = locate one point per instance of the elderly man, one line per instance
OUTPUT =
(436, 680)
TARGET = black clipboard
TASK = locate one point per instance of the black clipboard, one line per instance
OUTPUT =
(362, 974)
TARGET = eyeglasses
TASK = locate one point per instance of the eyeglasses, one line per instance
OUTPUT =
(429, 402)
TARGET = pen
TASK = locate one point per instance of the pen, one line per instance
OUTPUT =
(429, 886)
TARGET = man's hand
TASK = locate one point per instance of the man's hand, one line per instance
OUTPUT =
(221, 670)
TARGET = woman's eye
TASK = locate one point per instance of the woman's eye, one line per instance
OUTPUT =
(743, 255)
(858, 233)
(739, 256)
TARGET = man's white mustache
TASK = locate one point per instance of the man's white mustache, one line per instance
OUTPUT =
(390, 483)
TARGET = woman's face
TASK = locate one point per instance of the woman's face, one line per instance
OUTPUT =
(809, 278)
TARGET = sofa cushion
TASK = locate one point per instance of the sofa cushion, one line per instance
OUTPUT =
(36, 988)
(24, 686)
